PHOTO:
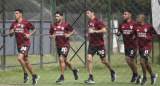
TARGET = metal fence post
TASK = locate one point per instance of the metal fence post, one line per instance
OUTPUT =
(109, 26)
(85, 32)
(41, 36)
(53, 21)
(4, 38)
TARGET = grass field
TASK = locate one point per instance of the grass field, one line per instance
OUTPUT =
(51, 72)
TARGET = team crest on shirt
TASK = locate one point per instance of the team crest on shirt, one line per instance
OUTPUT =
(62, 28)
(145, 30)
(122, 26)
(55, 28)
(22, 25)
(131, 27)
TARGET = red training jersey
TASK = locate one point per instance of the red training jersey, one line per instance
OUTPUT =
(127, 29)
(21, 29)
(145, 33)
(96, 39)
(60, 31)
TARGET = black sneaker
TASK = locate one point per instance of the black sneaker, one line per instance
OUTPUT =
(134, 78)
(144, 81)
(26, 78)
(35, 79)
(113, 76)
(75, 72)
(153, 79)
(138, 79)
(90, 80)
(60, 80)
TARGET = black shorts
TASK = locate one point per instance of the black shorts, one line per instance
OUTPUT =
(130, 52)
(144, 54)
(24, 50)
(63, 51)
(99, 49)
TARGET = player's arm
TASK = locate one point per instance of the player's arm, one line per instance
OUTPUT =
(119, 30)
(70, 34)
(30, 34)
(103, 30)
(153, 34)
(11, 32)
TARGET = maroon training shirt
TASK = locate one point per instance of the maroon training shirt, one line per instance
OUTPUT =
(145, 33)
(21, 29)
(96, 39)
(59, 31)
(127, 28)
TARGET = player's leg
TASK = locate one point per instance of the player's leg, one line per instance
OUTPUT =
(149, 69)
(35, 77)
(113, 74)
(129, 57)
(143, 61)
(22, 62)
(75, 71)
(91, 51)
(89, 62)
(101, 52)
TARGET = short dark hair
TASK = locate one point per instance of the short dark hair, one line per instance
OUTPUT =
(19, 10)
(129, 11)
(89, 9)
(59, 12)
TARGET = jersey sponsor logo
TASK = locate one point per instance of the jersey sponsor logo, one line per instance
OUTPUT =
(131, 27)
(59, 33)
(22, 25)
(141, 35)
(19, 30)
(145, 30)
(127, 31)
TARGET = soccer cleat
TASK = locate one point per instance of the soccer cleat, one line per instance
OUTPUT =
(90, 80)
(153, 79)
(26, 78)
(138, 81)
(134, 78)
(75, 72)
(60, 80)
(144, 81)
(113, 76)
(35, 79)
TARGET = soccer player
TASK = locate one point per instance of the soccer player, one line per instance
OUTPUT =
(21, 29)
(96, 45)
(145, 33)
(125, 28)
(61, 31)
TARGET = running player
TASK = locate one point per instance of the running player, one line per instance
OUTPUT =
(145, 34)
(125, 28)
(96, 45)
(61, 31)
(21, 29)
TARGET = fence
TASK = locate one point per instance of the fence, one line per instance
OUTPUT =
(41, 14)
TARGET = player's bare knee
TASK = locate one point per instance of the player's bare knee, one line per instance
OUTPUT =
(26, 62)
(20, 59)
(89, 60)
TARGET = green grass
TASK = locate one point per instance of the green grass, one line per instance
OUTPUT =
(51, 72)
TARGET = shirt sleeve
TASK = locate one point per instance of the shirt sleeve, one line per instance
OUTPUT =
(12, 26)
(30, 26)
(51, 31)
(100, 24)
(69, 27)
(120, 28)
(152, 32)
